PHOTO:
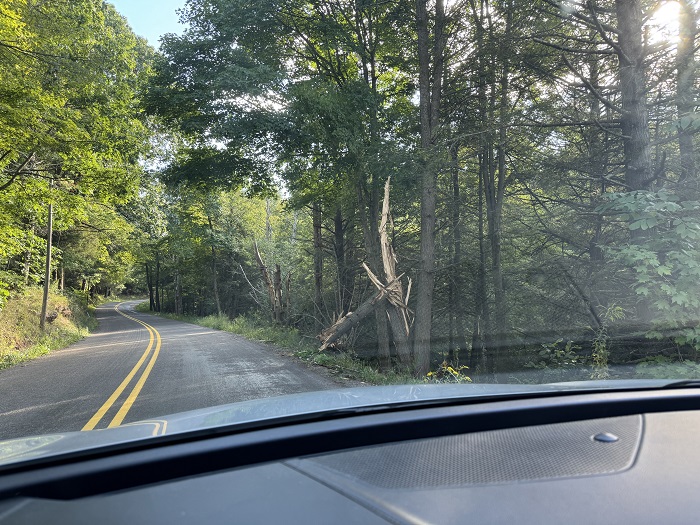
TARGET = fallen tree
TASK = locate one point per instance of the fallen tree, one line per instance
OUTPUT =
(389, 294)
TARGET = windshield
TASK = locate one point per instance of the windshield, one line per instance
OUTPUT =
(205, 202)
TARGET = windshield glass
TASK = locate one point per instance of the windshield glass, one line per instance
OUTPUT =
(204, 202)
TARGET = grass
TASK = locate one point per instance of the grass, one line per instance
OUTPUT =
(343, 364)
(21, 339)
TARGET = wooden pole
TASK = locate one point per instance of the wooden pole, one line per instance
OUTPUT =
(47, 273)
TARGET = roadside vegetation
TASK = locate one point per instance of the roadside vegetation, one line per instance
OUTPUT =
(72, 144)
(21, 339)
(344, 364)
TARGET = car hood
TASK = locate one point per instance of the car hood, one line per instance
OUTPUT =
(285, 409)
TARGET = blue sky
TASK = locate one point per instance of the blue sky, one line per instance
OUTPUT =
(151, 18)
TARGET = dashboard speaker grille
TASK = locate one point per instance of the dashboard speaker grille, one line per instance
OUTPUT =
(499, 456)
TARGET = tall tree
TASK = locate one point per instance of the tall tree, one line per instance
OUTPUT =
(431, 62)
(685, 98)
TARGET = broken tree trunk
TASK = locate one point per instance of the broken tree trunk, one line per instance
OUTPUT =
(391, 293)
(351, 320)
(265, 274)
(274, 287)
(398, 311)
(278, 304)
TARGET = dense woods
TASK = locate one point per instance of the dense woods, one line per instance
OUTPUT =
(505, 185)
(71, 136)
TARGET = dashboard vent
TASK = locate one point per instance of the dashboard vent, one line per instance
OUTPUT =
(499, 456)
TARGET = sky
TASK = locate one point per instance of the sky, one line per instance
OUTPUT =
(151, 18)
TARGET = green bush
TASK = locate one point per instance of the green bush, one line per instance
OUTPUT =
(558, 363)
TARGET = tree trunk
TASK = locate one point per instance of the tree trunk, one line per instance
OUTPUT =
(28, 256)
(596, 157)
(344, 284)
(493, 108)
(457, 288)
(383, 343)
(685, 96)
(47, 273)
(268, 222)
(274, 287)
(158, 297)
(318, 263)
(392, 290)
(598, 152)
(279, 305)
(429, 105)
(634, 117)
(481, 330)
(451, 338)
(215, 283)
(368, 201)
(178, 293)
(149, 283)
(397, 309)
(352, 320)
(367, 207)
(497, 196)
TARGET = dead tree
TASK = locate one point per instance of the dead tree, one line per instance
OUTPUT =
(278, 303)
(389, 295)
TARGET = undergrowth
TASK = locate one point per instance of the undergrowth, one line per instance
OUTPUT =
(21, 339)
(664, 367)
(344, 364)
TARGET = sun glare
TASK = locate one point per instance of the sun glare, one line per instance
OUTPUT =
(664, 22)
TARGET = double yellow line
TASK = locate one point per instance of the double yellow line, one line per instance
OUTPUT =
(126, 406)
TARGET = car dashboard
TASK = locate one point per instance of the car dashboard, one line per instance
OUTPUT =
(608, 457)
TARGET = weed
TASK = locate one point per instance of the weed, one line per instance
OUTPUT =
(601, 342)
(557, 362)
(445, 373)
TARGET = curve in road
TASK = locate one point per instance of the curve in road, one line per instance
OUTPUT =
(182, 367)
(119, 417)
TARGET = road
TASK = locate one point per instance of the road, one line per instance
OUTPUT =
(137, 366)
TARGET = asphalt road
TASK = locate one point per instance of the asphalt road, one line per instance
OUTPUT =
(137, 366)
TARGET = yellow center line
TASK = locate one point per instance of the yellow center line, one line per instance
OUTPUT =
(160, 426)
(137, 387)
(153, 333)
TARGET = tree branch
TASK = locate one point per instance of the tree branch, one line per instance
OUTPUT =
(602, 32)
(573, 50)
(17, 172)
(591, 87)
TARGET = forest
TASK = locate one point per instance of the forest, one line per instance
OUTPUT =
(496, 184)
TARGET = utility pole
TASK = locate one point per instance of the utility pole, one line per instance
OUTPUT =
(47, 274)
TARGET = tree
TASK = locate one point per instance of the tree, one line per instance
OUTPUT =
(71, 77)
(686, 76)
(430, 66)
(540, 157)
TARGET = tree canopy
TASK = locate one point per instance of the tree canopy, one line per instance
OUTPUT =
(72, 133)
